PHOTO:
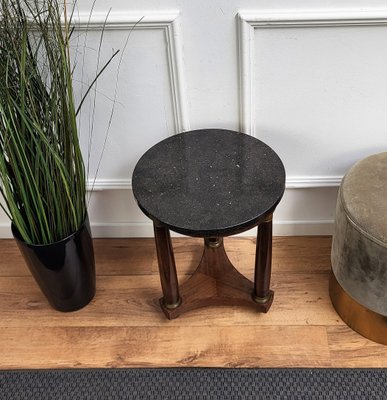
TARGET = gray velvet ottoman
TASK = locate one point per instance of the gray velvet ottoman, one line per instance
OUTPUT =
(358, 285)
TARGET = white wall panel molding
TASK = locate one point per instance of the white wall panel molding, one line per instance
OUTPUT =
(296, 182)
(306, 18)
(109, 184)
(306, 182)
(168, 22)
(248, 21)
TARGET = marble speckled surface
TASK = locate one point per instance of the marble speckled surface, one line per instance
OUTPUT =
(209, 182)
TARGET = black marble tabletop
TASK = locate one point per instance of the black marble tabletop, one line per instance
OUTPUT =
(209, 182)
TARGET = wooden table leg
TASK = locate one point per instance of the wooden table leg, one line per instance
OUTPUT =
(167, 268)
(262, 293)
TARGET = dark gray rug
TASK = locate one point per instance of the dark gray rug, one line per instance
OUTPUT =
(195, 383)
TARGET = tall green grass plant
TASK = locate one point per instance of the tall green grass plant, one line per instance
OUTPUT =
(42, 172)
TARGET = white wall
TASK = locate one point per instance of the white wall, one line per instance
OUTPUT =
(308, 78)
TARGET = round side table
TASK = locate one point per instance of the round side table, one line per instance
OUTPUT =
(211, 183)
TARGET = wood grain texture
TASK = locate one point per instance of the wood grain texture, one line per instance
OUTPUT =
(349, 349)
(133, 301)
(164, 346)
(124, 326)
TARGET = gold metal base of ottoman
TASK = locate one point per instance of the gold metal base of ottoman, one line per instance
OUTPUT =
(368, 323)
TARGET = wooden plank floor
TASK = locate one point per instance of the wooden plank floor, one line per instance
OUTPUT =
(123, 326)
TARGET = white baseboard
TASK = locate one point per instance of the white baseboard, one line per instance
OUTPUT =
(5, 231)
(281, 228)
(122, 229)
(303, 227)
(145, 229)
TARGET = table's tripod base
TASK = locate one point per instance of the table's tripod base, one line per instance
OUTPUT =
(216, 282)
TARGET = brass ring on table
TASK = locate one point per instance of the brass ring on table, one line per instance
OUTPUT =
(214, 243)
(262, 300)
(172, 306)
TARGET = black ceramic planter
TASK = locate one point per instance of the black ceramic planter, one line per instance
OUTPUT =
(64, 270)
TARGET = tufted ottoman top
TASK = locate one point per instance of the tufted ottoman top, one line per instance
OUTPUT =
(364, 197)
